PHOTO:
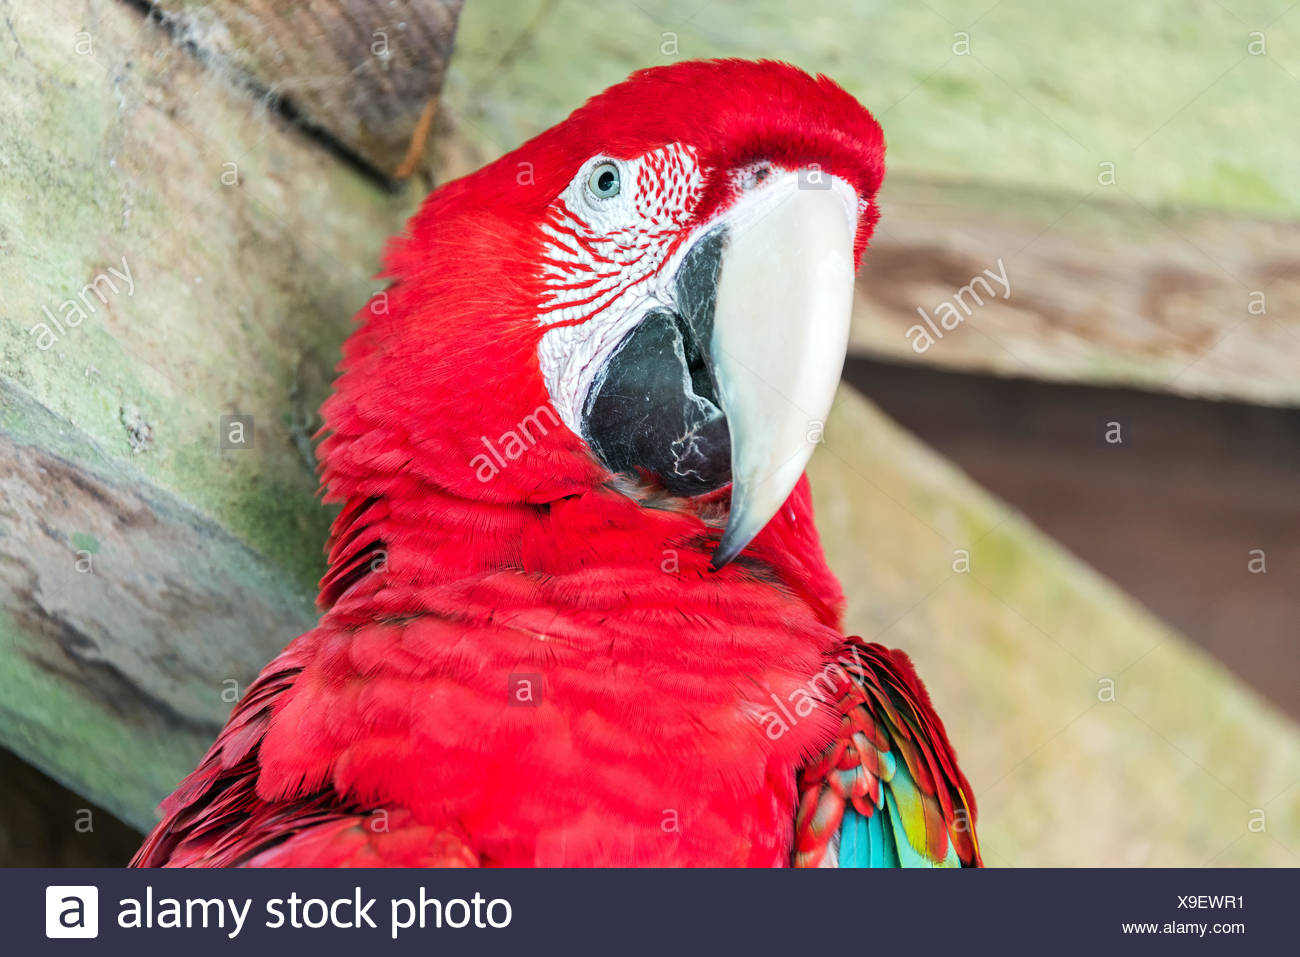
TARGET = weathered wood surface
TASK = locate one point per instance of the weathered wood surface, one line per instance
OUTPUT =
(241, 297)
(1139, 182)
(365, 74)
(129, 624)
(1083, 289)
(248, 248)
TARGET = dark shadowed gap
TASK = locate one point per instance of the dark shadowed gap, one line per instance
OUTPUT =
(1171, 514)
(43, 824)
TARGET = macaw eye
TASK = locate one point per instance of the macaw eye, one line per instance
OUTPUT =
(604, 181)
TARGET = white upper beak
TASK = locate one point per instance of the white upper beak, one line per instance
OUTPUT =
(780, 334)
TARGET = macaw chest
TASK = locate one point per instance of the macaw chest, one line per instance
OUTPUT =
(574, 772)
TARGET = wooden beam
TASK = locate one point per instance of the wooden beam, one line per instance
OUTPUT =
(129, 623)
(1080, 289)
(365, 74)
(1177, 513)
(170, 254)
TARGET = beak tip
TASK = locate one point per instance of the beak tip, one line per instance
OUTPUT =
(728, 548)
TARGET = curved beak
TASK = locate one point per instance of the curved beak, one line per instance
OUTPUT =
(778, 337)
(729, 373)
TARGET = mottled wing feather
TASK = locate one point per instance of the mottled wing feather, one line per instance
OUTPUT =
(887, 792)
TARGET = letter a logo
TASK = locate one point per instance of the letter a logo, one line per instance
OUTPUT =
(71, 911)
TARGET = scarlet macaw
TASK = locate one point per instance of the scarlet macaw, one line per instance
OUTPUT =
(576, 609)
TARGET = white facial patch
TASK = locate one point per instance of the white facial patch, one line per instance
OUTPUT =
(603, 265)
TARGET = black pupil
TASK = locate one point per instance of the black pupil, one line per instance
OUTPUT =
(605, 181)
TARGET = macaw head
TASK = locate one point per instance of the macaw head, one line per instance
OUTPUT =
(652, 295)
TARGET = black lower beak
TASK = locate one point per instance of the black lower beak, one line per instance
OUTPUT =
(655, 407)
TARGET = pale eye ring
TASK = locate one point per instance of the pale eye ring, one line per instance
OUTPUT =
(605, 181)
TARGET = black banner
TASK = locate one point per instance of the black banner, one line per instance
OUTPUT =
(648, 912)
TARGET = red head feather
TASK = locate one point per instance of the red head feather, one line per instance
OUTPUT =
(444, 366)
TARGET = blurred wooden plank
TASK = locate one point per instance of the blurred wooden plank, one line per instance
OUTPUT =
(1074, 289)
(1092, 734)
(1176, 514)
(365, 73)
(146, 574)
(129, 623)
